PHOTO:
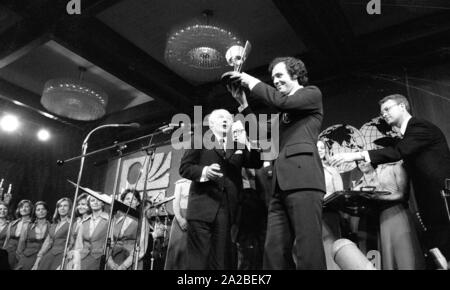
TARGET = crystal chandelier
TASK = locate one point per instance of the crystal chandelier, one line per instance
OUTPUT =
(197, 52)
(74, 99)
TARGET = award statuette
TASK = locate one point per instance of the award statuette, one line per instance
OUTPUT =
(236, 56)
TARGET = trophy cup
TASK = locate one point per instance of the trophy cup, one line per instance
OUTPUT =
(236, 56)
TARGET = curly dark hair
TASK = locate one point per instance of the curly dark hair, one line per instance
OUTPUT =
(295, 68)
(135, 193)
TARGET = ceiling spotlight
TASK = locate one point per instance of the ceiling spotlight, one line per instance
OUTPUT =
(9, 123)
(43, 135)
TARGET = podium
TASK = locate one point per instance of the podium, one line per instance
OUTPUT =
(354, 202)
(361, 205)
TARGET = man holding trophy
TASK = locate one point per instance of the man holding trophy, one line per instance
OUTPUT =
(295, 209)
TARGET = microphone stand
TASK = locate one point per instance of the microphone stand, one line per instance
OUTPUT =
(141, 223)
(107, 243)
(82, 159)
(80, 172)
(61, 162)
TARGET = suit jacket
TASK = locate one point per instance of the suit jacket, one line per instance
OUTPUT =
(3, 233)
(92, 245)
(426, 157)
(124, 243)
(58, 238)
(298, 164)
(205, 198)
(32, 244)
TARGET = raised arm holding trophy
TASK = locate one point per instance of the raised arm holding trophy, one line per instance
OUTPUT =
(295, 210)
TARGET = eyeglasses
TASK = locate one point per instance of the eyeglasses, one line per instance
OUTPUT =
(238, 131)
(386, 110)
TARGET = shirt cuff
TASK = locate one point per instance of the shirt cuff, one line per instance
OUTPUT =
(203, 178)
(242, 108)
(366, 156)
(252, 83)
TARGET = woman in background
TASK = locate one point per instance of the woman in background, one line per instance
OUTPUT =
(124, 235)
(91, 235)
(176, 251)
(82, 211)
(400, 248)
(31, 242)
(3, 223)
(3, 230)
(50, 255)
(331, 230)
(16, 229)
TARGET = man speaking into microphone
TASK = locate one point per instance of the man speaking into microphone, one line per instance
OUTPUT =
(213, 195)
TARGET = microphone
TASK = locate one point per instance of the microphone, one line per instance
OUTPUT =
(131, 125)
(169, 127)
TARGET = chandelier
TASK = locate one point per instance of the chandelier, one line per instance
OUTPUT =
(197, 52)
(74, 99)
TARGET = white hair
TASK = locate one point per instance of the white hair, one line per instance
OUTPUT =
(214, 113)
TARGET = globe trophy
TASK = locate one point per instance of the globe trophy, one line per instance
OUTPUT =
(236, 56)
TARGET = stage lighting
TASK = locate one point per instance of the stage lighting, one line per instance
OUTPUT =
(43, 135)
(9, 123)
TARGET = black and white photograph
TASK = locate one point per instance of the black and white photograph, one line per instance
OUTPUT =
(247, 137)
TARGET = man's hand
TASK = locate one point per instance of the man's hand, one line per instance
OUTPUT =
(341, 158)
(213, 171)
(183, 223)
(238, 94)
(242, 79)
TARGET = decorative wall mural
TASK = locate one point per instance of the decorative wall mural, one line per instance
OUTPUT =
(134, 170)
(343, 138)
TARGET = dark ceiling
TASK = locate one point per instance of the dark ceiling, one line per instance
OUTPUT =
(122, 43)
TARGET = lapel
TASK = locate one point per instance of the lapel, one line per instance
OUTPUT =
(131, 228)
(62, 228)
(218, 148)
(119, 223)
(98, 228)
(47, 228)
(411, 122)
(230, 148)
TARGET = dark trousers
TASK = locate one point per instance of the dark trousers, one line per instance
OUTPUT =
(295, 216)
(209, 244)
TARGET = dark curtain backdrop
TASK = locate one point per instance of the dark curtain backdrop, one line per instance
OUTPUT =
(429, 92)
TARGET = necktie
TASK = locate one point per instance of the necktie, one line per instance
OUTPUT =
(222, 143)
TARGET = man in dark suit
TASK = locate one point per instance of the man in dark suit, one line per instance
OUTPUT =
(426, 157)
(215, 171)
(295, 210)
